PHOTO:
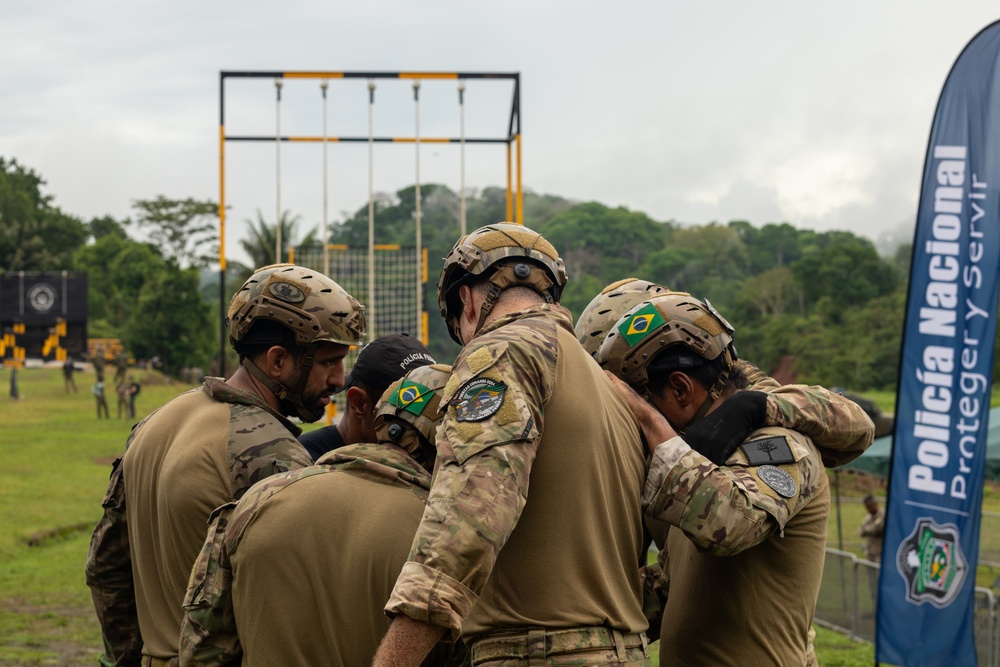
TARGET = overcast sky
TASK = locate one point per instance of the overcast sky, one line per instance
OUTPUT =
(817, 115)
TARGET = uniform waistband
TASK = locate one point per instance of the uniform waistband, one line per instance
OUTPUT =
(150, 661)
(536, 643)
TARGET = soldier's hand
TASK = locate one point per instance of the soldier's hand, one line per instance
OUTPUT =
(717, 435)
(654, 426)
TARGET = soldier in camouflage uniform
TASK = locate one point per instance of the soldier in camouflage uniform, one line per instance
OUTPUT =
(297, 572)
(836, 424)
(765, 508)
(292, 328)
(547, 575)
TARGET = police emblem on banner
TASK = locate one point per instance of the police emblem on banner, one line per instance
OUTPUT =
(932, 563)
(478, 399)
(638, 325)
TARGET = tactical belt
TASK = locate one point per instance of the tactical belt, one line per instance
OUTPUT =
(150, 661)
(534, 644)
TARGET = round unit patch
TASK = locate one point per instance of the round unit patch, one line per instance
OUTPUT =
(287, 292)
(478, 399)
(778, 479)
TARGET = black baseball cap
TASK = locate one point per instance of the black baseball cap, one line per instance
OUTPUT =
(386, 359)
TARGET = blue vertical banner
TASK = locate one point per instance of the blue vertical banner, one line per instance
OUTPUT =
(931, 543)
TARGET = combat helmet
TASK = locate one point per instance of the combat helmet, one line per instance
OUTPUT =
(604, 310)
(409, 412)
(307, 303)
(665, 320)
(508, 255)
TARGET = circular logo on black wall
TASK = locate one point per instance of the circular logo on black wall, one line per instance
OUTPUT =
(42, 297)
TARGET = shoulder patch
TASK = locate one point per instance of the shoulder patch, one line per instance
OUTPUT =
(778, 479)
(478, 399)
(479, 359)
(768, 451)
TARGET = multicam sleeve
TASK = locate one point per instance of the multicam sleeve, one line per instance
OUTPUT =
(259, 446)
(724, 509)
(208, 631)
(109, 576)
(481, 485)
(839, 428)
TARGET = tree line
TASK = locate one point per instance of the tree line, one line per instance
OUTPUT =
(824, 304)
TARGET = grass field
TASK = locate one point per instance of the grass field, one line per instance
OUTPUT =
(54, 463)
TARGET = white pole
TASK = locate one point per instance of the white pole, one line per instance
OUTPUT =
(277, 171)
(420, 267)
(461, 187)
(326, 256)
(371, 216)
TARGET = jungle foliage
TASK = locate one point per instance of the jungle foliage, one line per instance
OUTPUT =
(825, 305)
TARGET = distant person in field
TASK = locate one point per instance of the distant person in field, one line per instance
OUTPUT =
(68, 380)
(133, 390)
(121, 390)
(872, 529)
(292, 328)
(97, 389)
(99, 362)
(121, 366)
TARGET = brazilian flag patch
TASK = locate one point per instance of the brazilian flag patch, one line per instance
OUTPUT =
(640, 323)
(411, 396)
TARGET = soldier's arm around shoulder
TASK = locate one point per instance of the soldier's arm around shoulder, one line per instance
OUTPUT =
(109, 576)
(208, 631)
(727, 509)
(839, 428)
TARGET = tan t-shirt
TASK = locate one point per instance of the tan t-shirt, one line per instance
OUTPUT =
(534, 516)
(321, 601)
(753, 605)
(195, 453)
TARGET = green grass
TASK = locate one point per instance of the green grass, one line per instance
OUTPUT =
(55, 459)
(886, 400)
(54, 463)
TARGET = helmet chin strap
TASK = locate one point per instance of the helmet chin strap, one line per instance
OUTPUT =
(281, 392)
(713, 394)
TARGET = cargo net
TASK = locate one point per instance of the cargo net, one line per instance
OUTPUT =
(394, 309)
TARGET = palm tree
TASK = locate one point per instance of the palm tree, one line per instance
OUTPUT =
(261, 239)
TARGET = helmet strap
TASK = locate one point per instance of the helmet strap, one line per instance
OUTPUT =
(714, 392)
(280, 391)
(275, 387)
(506, 276)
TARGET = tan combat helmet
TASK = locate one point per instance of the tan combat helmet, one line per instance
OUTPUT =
(314, 307)
(307, 303)
(409, 412)
(508, 255)
(665, 320)
(604, 309)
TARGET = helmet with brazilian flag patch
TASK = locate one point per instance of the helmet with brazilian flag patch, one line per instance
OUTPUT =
(666, 320)
(409, 412)
(508, 255)
(604, 310)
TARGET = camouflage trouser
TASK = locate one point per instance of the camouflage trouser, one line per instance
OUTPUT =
(533, 647)
(150, 661)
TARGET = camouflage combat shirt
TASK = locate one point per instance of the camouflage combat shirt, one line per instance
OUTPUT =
(202, 449)
(839, 428)
(533, 518)
(744, 555)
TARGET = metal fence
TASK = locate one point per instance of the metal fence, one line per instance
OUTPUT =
(847, 604)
